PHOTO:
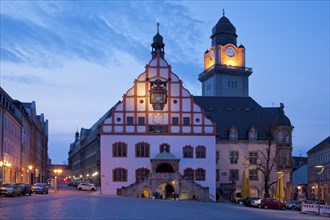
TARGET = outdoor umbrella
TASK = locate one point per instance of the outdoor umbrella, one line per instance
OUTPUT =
(243, 184)
(279, 193)
(247, 187)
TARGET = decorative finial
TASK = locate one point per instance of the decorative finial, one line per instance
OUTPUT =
(158, 27)
(223, 12)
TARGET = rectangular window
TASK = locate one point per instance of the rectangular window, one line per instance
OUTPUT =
(129, 120)
(217, 174)
(119, 149)
(233, 157)
(253, 157)
(217, 156)
(189, 174)
(175, 120)
(188, 152)
(280, 137)
(253, 175)
(119, 175)
(186, 121)
(233, 175)
(141, 120)
(200, 152)
(200, 174)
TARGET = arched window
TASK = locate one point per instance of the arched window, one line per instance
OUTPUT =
(165, 147)
(119, 149)
(142, 149)
(200, 151)
(188, 174)
(119, 175)
(141, 174)
(188, 151)
(200, 174)
(164, 168)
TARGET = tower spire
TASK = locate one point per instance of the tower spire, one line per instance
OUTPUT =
(223, 12)
(158, 24)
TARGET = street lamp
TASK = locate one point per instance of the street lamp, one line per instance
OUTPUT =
(56, 171)
(30, 168)
(321, 168)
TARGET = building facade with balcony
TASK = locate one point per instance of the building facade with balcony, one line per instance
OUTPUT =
(319, 155)
(24, 141)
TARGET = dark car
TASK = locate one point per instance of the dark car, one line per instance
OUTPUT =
(25, 189)
(40, 188)
(247, 200)
(273, 204)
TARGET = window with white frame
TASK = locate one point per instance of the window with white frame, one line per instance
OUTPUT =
(233, 134)
(253, 157)
(253, 134)
(233, 157)
(253, 175)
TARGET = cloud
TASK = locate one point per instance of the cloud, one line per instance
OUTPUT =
(25, 79)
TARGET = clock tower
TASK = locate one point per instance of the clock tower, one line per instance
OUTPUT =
(224, 72)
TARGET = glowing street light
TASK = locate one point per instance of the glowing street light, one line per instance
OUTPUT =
(321, 168)
(57, 172)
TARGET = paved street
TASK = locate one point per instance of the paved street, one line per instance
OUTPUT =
(72, 204)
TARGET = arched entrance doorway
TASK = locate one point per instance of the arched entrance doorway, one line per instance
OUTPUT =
(169, 190)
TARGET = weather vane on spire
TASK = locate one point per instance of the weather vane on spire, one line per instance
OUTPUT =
(158, 26)
(223, 12)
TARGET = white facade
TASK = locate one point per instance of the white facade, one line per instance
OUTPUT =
(179, 122)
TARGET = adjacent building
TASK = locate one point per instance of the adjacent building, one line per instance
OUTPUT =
(24, 141)
(318, 177)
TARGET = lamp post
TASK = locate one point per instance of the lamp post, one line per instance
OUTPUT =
(56, 171)
(30, 177)
(321, 168)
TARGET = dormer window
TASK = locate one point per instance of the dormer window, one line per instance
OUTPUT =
(280, 137)
(253, 134)
(233, 134)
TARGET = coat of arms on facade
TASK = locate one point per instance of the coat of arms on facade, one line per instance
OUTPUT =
(158, 94)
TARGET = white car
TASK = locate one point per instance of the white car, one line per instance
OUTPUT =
(86, 186)
(256, 202)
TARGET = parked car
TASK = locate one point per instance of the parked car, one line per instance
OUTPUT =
(40, 188)
(247, 200)
(236, 198)
(25, 189)
(10, 189)
(86, 186)
(292, 205)
(273, 204)
(256, 202)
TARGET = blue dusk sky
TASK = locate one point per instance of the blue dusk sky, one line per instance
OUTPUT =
(76, 59)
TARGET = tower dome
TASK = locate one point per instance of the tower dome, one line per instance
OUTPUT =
(158, 44)
(224, 32)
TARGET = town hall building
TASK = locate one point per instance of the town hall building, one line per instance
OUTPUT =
(160, 141)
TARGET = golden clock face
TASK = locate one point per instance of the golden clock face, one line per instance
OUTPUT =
(230, 51)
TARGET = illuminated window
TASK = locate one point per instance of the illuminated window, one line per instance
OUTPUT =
(188, 174)
(233, 157)
(200, 152)
(142, 149)
(119, 175)
(165, 147)
(188, 152)
(141, 174)
(200, 174)
(119, 149)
